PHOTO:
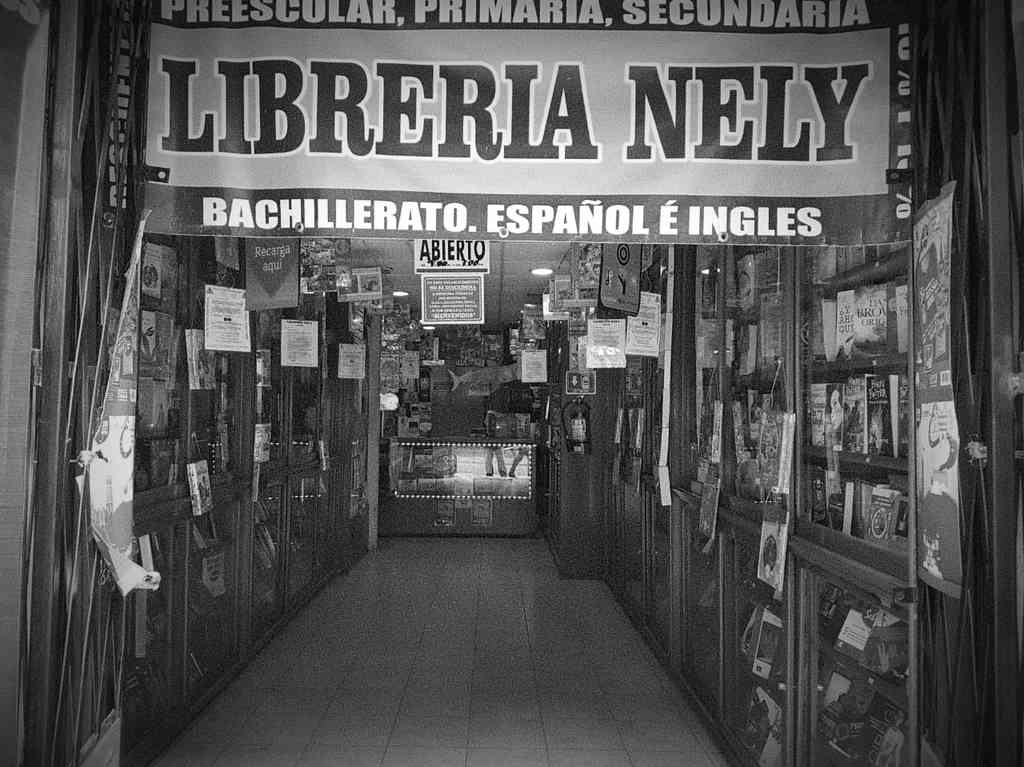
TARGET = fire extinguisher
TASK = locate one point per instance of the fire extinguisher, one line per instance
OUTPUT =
(576, 421)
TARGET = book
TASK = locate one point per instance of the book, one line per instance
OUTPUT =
(708, 520)
(199, 487)
(155, 338)
(769, 640)
(881, 514)
(762, 731)
(883, 736)
(880, 415)
(739, 431)
(817, 409)
(775, 450)
(716, 432)
(862, 320)
(898, 326)
(771, 557)
(855, 415)
(902, 422)
(817, 495)
(849, 493)
(201, 371)
(835, 418)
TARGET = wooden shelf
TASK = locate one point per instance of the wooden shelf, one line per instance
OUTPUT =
(821, 371)
(868, 463)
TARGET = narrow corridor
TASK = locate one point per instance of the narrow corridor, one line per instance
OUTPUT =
(452, 653)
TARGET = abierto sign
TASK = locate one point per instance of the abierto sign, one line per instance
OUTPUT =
(756, 121)
(451, 256)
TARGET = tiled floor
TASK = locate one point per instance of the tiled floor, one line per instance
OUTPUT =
(445, 653)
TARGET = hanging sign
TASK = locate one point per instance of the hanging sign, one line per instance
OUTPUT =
(620, 277)
(606, 342)
(271, 273)
(351, 361)
(938, 431)
(534, 366)
(299, 343)
(451, 256)
(770, 122)
(363, 284)
(226, 320)
(452, 299)
(643, 332)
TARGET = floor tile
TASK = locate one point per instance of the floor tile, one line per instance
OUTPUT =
(403, 756)
(506, 757)
(581, 733)
(353, 728)
(190, 755)
(504, 731)
(688, 758)
(255, 756)
(587, 758)
(431, 732)
(340, 756)
(658, 736)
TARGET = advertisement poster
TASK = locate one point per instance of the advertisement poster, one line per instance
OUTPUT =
(261, 443)
(300, 343)
(782, 133)
(362, 284)
(643, 332)
(620, 278)
(606, 344)
(451, 256)
(226, 320)
(938, 432)
(352, 361)
(110, 480)
(271, 273)
(534, 366)
(456, 299)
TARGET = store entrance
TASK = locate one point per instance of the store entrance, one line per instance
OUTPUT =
(456, 349)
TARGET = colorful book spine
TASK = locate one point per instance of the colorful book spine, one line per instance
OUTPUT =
(880, 410)
(855, 418)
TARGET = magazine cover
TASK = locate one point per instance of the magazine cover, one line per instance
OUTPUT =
(199, 488)
(771, 559)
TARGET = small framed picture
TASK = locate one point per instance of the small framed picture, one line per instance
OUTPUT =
(581, 382)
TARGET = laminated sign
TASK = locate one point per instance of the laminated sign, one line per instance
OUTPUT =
(457, 123)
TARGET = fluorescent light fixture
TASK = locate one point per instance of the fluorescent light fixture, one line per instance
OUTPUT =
(542, 271)
(706, 270)
(426, 327)
(399, 293)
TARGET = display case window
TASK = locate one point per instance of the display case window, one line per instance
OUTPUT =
(268, 516)
(860, 704)
(855, 382)
(302, 532)
(269, 377)
(306, 390)
(461, 469)
(212, 646)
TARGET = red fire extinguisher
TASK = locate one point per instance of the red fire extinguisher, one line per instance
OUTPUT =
(576, 422)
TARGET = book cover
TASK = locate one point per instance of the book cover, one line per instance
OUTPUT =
(880, 415)
(769, 640)
(201, 362)
(855, 415)
(762, 731)
(843, 721)
(882, 512)
(152, 268)
(900, 434)
(708, 520)
(817, 409)
(849, 494)
(716, 432)
(898, 320)
(886, 652)
(883, 734)
(817, 495)
(746, 281)
(155, 338)
(835, 418)
(775, 450)
(199, 487)
(771, 557)
(863, 491)
(835, 510)
(862, 320)
(739, 432)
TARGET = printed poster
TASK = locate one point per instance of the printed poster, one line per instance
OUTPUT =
(938, 433)
(226, 320)
(620, 278)
(452, 299)
(534, 366)
(300, 343)
(351, 361)
(606, 344)
(271, 273)
(798, 103)
(643, 332)
(363, 284)
(111, 479)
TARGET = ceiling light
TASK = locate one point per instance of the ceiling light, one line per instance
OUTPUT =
(542, 271)
(426, 327)
(705, 270)
(399, 293)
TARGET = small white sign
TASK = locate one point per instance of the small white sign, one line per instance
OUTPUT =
(452, 256)
(226, 320)
(606, 344)
(352, 361)
(534, 366)
(643, 332)
(300, 343)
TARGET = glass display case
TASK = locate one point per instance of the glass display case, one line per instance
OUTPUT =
(459, 485)
(267, 586)
(301, 533)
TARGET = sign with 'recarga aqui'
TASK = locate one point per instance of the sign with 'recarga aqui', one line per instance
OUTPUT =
(748, 121)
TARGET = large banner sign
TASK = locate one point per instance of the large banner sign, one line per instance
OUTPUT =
(749, 121)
